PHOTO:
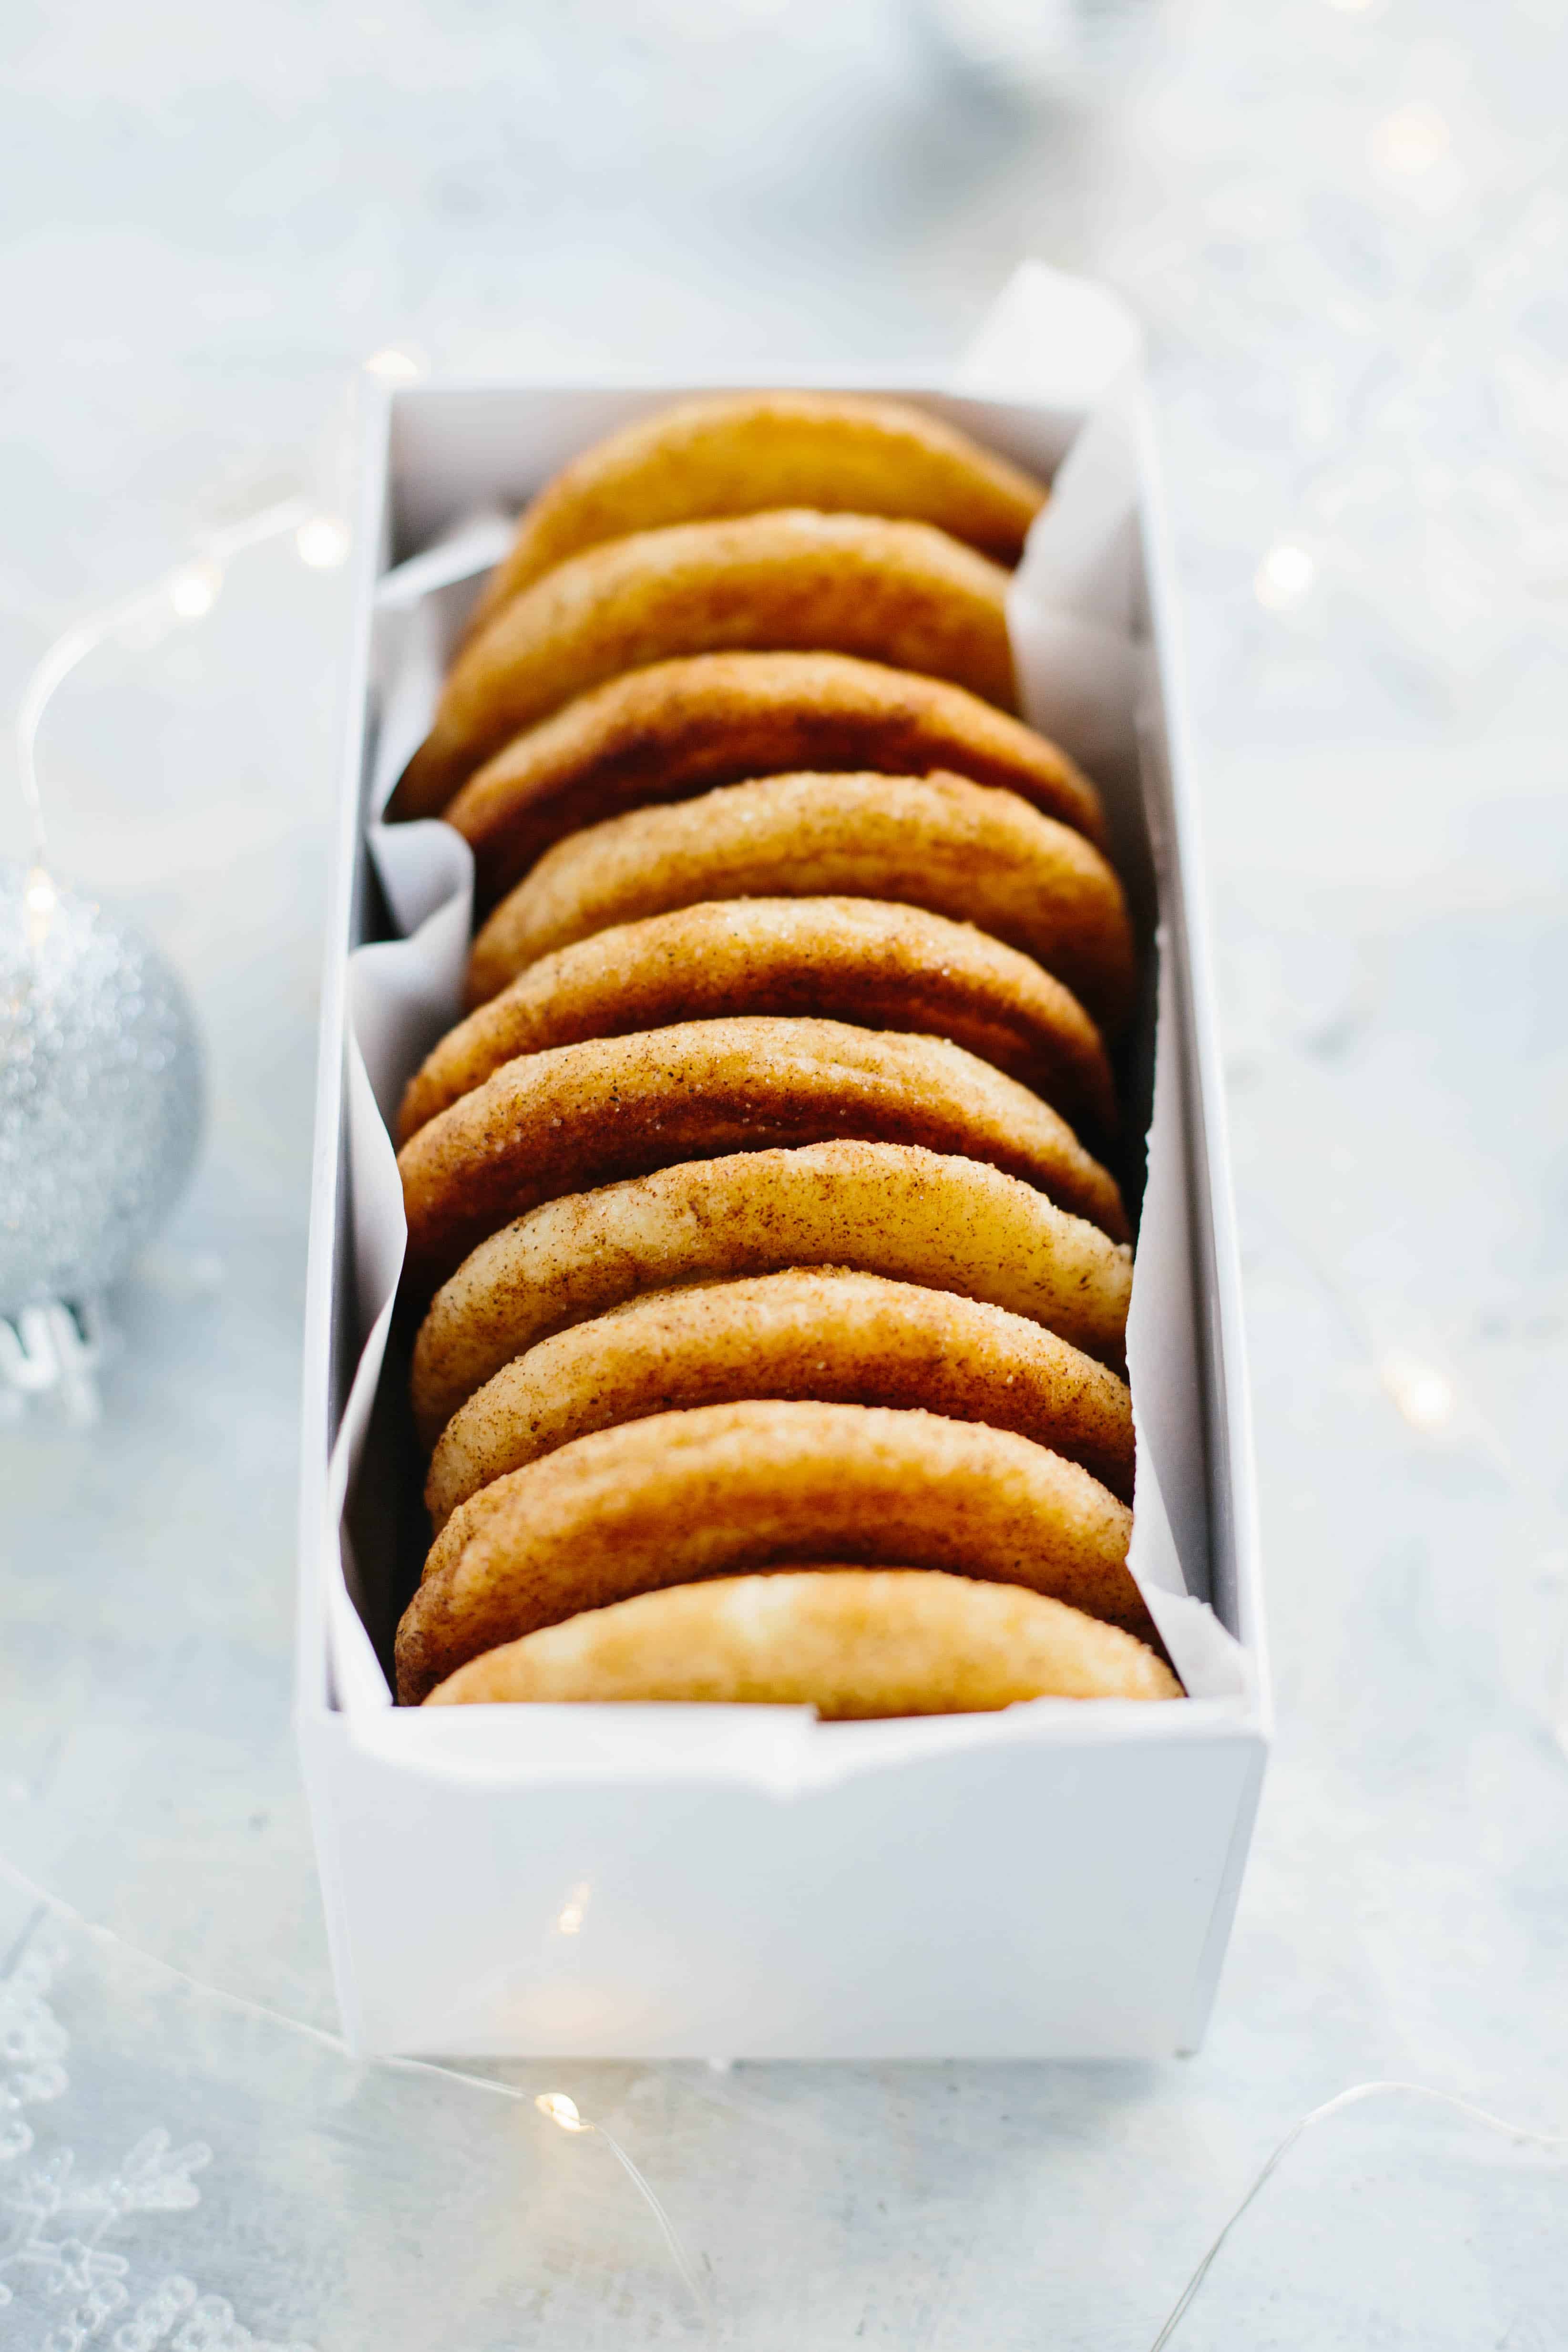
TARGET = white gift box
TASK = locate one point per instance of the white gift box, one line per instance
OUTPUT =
(1057, 1880)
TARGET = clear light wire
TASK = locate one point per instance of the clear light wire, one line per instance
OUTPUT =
(565, 2113)
(1352, 2098)
(55, 1906)
(60, 658)
(555, 2105)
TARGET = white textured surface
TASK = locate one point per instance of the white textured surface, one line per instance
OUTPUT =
(1359, 353)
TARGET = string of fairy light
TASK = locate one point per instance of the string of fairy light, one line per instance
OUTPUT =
(558, 2107)
(183, 596)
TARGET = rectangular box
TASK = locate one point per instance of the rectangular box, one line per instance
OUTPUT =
(1057, 1880)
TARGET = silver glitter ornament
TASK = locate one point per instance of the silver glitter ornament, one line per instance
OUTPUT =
(101, 1096)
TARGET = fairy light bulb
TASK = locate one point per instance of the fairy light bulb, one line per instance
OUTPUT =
(1284, 577)
(573, 1911)
(1410, 140)
(193, 590)
(562, 2110)
(40, 898)
(395, 366)
(1423, 1396)
(322, 542)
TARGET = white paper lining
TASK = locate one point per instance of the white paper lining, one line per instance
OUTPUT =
(1073, 612)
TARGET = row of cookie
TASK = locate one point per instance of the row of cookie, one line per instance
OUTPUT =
(681, 980)
(847, 1352)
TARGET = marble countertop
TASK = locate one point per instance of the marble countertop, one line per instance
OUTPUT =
(1345, 229)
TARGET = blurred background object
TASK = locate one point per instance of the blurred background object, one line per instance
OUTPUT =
(1037, 52)
(100, 1108)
